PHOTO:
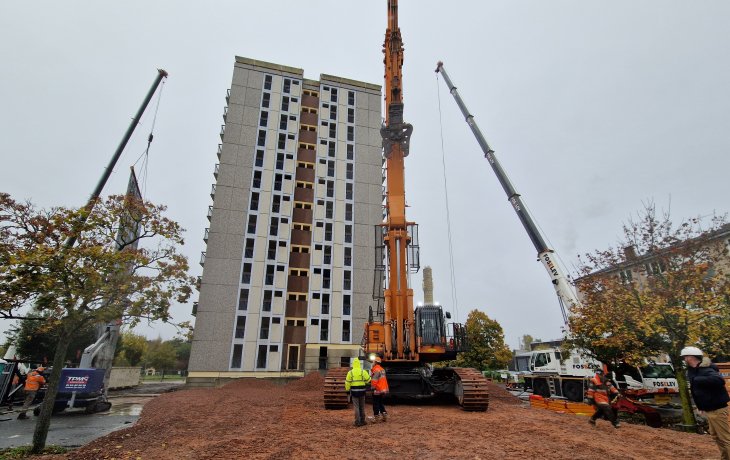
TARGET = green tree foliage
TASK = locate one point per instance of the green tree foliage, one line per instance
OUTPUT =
(678, 295)
(182, 352)
(526, 341)
(160, 355)
(36, 340)
(130, 349)
(102, 278)
(487, 349)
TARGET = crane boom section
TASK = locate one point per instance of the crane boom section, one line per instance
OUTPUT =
(563, 289)
(399, 326)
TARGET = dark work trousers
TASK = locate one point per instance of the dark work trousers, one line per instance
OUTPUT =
(605, 411)
(378, 406)
(358, 402)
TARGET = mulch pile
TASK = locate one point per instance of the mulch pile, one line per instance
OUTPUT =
(263, 420)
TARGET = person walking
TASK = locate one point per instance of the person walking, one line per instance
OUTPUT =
(710, 395)
(356, 384)
(33, 382)
(380, 388)
(600, 392)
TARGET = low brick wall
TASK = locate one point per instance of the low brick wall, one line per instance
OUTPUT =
(124, 377)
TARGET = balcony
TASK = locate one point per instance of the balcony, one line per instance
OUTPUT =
(198, 282)
(220, 151)
(210, 213)
(304, 195)
(212, 191)
(223, 130)
(309, 119)
(216, 170)
(308, 137)
(225, 113)
(310, 101)
(301, 237)
(202, 259)
(307, 155)
(298, 260)
(228, 96)
(305, 175)
(205, 234)
(297, 283)
(302, 216)
(195, 309)
(296, 309)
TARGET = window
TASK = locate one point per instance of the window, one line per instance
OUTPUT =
(274, 348)
(347, 280)
(316, 295)
(269, 275)
(333, 130)
(326, 278)
(351, 98)
(655, 268)
(267, 82)
(328, 210)
(348, 257)
(324, 330)
(333, 95)
(330, 189)
(314, 322)
(262, 138)
(248, 252)
(348, 211)
(271, 253)
(259, 158)
(266, 100)
(351, 115)
(256, 179)
(327, 255)
(325, 304)
(276, 203)
(348, 233)
(236, 358)
(246, 275)
(287, 85)
(254, 205)
(284, 120)
(240, 326)
(243, 300)
(346, 330)
(261, 358)
(278, 178)
(274, 226)
(328, 232)
(333, 112)
(264, 334)
(279, 161)
(285, 104)
(264, 118)
(350, 151)
(625, 276)
(346, 305)
(266, 304)
(350, 133)
(331, 168)
(349, 172)
(348, 191)
(331, 148)
(251, 224)
(282, 141)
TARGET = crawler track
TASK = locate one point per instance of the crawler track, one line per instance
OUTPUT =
(471, 390)
(335, 396)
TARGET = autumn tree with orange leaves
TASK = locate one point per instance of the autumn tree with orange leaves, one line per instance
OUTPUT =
(663, 287)
(104, 277)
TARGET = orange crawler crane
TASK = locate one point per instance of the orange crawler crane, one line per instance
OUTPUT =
(407, 339)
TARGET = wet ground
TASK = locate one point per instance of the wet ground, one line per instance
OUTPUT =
(76, 428)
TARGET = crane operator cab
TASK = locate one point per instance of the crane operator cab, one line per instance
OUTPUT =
(432, 333)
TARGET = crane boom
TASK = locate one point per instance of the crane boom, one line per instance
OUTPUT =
(566, 295)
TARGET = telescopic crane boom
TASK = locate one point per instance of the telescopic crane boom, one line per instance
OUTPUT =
(566, 295)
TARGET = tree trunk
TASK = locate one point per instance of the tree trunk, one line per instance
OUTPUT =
(44, 419)
(688, 415)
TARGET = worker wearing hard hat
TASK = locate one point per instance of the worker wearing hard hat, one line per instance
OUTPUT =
(33, 382)
(356, 384)
(710, 396)
(380, 388)
(600, 391)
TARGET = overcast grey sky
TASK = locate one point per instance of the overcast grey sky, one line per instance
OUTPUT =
(591, 108)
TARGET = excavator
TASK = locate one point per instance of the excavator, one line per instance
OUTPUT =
(407, 339)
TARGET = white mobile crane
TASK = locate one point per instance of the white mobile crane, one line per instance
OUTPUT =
(552, 373)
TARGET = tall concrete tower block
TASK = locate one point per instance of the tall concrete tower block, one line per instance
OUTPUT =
(427, 286)
(288, 269)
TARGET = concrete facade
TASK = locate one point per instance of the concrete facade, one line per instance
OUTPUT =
(288, 270)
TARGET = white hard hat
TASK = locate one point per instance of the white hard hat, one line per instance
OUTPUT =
(691, 351)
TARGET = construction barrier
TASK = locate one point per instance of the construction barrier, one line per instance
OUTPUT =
(561, 406)
(124, 377)
(725, 371)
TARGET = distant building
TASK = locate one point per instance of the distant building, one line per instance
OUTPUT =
(288, 271)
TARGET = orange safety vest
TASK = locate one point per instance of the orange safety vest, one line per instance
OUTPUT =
(599, 392)
(378, 380)
(34, 381)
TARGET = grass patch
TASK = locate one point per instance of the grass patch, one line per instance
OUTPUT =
(158, 378)
(13, 453)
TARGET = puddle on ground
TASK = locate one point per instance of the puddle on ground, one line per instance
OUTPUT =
(125, 409)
